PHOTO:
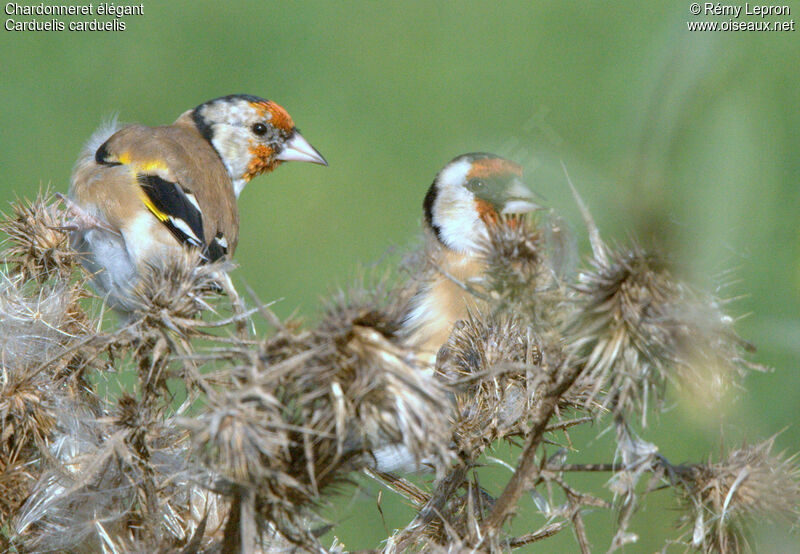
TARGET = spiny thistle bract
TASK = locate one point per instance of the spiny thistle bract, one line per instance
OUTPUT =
(495, 365)
(36, 243)
(174, 292)
(266, 428)
(526, 260)
(726, 499)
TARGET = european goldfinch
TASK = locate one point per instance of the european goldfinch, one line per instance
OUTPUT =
(139, 194)
(466, 195)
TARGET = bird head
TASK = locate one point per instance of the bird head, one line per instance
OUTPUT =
(471, 192)
(251, 136)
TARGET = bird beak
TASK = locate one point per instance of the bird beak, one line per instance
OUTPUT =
(519, 200)
(297, 149)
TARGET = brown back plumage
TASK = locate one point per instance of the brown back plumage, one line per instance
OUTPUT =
(191, 162)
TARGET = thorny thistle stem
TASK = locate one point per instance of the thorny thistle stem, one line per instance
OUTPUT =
(527, 468)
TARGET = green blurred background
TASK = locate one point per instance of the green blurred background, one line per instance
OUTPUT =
(688, 141)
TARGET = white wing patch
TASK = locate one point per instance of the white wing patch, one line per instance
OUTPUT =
(190, 237)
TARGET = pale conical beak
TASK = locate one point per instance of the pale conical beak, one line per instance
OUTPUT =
(519, 200)
(297, 149)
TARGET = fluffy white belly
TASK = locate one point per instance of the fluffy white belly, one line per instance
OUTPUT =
(105, 256)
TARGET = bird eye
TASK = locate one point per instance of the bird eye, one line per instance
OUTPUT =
(476, 184)
(260, 129)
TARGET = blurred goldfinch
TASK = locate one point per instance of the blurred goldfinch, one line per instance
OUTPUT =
(139, 194)
(466, 195)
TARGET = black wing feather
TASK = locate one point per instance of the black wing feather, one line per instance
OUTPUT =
(217, 249)
(172, 205)
(172, 201)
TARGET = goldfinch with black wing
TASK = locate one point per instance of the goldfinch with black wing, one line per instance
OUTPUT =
(466, 196)
(140, 195)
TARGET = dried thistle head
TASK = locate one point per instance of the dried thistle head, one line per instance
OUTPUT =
(392, 400)
(275, 452)
(486, 361)
(376, 378)
(514, 252)
(303, 414)
(242, 435)
(26, 412)
(171, 293)
(495, 365)
(638, 328)
(289, 339)
(376, 301)
(39, 366)
(106, 485)
(525, 260)
(37, 244)
(726, 499)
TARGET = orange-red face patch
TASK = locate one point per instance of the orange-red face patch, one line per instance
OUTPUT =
(260, 161)
(279, 118)
(485, 210)
(493, 167)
